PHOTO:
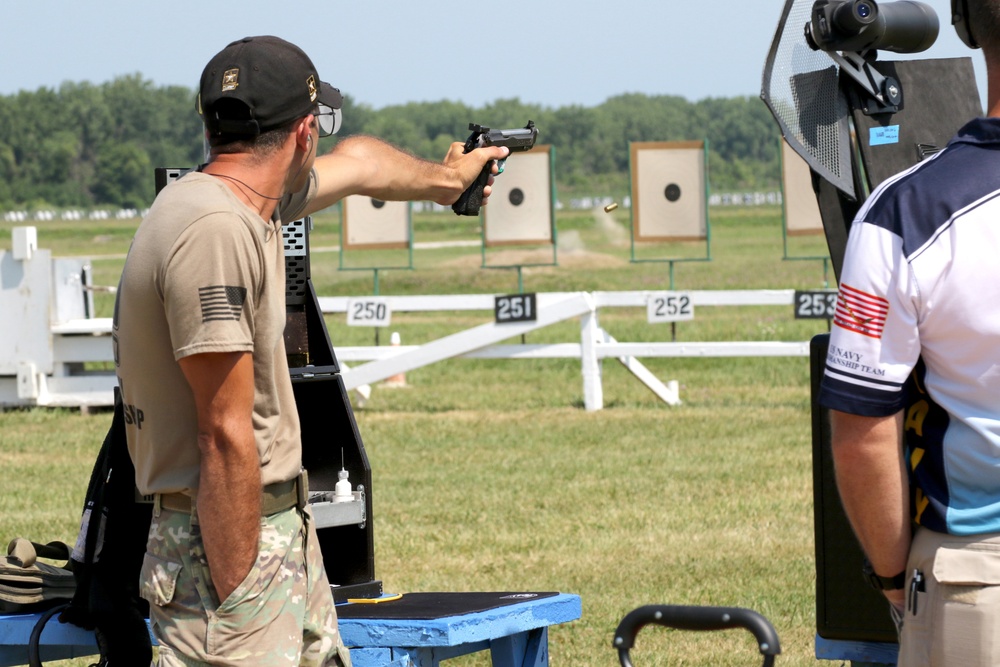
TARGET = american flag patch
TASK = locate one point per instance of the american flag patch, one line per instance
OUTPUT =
(221, 302)
(860, 312)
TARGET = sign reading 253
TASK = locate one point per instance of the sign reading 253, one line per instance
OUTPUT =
(815, 305)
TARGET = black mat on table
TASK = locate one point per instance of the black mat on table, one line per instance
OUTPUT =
(435, 605)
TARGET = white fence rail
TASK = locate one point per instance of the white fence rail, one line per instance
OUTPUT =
(595, 344)
(47, 341)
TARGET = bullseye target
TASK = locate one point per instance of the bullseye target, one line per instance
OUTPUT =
(372, 223)
(519, 210)
(670, 202)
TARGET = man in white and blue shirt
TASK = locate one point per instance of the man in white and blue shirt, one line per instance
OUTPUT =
(913, 382)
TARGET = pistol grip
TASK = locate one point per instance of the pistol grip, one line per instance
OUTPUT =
(472, 199)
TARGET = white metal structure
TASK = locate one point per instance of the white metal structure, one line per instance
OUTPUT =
(48, 333)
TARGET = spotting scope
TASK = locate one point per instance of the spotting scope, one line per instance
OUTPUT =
(903, 26)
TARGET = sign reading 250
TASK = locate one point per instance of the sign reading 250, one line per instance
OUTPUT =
(368, 312)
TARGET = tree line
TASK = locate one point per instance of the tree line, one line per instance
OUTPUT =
(87, 145)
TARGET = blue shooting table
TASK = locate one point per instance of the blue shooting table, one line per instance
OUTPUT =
(876, 654)
(516, 633)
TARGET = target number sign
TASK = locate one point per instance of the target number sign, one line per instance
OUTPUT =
(368, 312)
(815, 305)
(669, 307)
(515, 308)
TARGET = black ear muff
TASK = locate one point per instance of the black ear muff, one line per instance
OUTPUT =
(960, 19)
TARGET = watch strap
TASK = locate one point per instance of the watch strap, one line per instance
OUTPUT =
(891, 583)
(880, 583)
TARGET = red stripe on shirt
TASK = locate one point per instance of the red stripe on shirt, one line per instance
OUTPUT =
(861, 312)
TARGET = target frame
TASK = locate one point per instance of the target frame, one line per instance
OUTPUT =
(649, 159)
(799, 207)
(497, 214)
(393, 230)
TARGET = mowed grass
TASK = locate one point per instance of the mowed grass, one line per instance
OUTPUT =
(489, 475)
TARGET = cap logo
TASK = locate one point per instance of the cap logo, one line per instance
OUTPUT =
(311, 85)
(230, 79)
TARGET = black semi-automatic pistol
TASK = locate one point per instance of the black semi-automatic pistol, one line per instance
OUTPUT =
(517, 140)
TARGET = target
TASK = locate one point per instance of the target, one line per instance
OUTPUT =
(519, 210)
(372, 223)
(799, 200)
(669, 191)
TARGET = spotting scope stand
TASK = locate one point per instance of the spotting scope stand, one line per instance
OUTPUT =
(884, 94)
(940, 97)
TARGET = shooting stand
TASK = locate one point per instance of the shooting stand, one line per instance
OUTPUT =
(330, 437)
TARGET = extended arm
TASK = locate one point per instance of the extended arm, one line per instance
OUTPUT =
(368, 166)
(229, 489)
(874, 489)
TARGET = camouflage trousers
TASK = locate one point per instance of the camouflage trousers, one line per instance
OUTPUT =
(282, 614)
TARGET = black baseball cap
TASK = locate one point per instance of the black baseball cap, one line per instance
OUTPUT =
(274, 80)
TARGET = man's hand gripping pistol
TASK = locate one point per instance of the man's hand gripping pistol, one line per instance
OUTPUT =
(517, 140)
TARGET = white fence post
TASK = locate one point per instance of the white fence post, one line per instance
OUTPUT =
(590, 363)
(668, 393)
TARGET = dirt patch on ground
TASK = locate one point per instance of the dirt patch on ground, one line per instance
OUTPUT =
(572, 251)
(575, 259)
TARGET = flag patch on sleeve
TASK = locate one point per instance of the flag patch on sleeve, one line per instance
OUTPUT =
(221, 302)
(861, 312)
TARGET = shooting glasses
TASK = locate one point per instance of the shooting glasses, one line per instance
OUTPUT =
(328, 120)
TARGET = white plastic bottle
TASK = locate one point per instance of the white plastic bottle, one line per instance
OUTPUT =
(342, 491)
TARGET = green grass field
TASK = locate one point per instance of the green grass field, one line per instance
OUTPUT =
(489, 475)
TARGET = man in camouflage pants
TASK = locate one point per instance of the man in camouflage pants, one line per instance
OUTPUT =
(297, 626)
(233, 572)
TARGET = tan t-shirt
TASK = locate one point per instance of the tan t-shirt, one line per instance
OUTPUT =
(204, 274)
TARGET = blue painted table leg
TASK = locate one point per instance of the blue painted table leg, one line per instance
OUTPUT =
(525, 649)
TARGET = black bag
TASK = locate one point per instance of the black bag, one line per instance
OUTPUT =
(107, 559)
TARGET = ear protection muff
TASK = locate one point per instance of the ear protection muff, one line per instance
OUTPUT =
(960, 19)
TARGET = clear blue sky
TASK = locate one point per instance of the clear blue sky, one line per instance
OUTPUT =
(382, 52)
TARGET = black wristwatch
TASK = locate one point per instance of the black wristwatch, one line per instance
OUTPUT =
(883, 583)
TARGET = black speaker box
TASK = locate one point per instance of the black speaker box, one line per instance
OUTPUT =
(847, 607)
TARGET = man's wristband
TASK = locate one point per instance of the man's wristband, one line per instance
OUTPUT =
(880, 583)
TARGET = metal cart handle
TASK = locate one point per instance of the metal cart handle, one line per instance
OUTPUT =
(696, 618)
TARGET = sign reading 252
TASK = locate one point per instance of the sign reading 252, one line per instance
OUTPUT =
(669, 307)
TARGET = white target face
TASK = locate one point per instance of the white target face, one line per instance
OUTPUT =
(669, 196)
(372, 223)
(520, 206)
(801, 209)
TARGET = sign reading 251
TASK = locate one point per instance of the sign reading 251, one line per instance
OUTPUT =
(515, 308)
(368, 311)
